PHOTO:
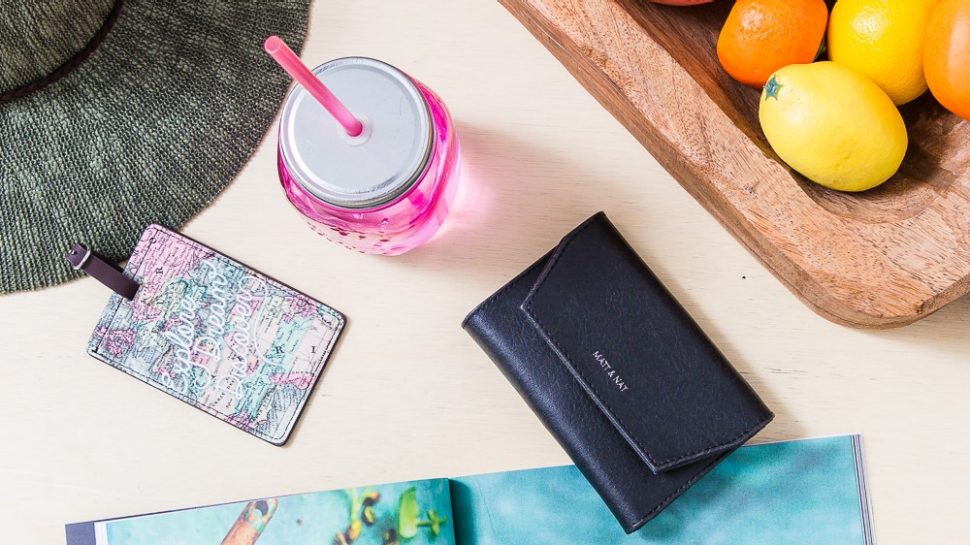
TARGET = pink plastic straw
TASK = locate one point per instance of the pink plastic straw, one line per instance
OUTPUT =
(286, 58)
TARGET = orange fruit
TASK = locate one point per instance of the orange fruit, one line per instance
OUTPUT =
(761, 36)
(946, 55)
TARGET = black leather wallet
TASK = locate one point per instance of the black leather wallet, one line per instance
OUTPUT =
(641, 400)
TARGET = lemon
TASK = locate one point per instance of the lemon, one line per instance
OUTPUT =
(883, 40)
(833, 125)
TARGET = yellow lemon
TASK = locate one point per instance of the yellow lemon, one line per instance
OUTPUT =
(883, 40)
(833, 125)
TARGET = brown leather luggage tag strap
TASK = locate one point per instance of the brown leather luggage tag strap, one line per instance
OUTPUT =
(83, 259)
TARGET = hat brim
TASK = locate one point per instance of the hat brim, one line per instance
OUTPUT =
(149, 129)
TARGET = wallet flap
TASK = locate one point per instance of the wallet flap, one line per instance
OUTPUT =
(636, 352)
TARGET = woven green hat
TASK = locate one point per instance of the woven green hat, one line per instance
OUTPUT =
(114, 115)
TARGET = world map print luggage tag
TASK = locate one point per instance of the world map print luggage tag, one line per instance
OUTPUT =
(212, 332)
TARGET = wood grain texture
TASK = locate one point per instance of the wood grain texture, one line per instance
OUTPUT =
(883, 258)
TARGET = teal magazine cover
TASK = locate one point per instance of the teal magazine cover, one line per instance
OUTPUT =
(791, 492)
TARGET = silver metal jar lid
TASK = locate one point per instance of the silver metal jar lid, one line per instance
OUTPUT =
(374, 168)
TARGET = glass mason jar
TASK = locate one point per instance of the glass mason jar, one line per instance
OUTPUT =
(385, 191)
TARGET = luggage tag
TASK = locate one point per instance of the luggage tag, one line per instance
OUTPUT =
(212, 332)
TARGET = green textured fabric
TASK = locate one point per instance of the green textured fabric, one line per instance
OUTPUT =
(38, 36)
(149, 129)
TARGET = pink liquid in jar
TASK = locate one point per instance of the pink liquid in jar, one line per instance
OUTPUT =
(386, 191)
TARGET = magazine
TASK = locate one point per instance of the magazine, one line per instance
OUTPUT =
(811, 490)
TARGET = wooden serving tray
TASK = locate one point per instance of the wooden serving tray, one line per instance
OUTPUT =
(883, 258)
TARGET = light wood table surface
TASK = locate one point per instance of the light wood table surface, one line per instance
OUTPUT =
(407, 393)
